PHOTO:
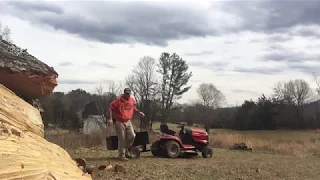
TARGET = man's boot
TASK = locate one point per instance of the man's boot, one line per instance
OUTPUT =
(121, 157)
(128, 154)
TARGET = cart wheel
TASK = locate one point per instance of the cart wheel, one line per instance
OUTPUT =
(135, 152)
(156, 150)
(207, 152)
(172, 149)
(144, 148)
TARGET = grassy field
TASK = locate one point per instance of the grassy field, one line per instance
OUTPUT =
(276, 155)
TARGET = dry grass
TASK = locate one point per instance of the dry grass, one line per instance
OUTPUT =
(298, 143)
(73, 140)
(277, 155)
(286, 142)
(225, 164)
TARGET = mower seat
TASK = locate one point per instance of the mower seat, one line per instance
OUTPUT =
(187, 137)
(165, 129)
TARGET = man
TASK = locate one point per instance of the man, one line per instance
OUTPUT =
(121, 111)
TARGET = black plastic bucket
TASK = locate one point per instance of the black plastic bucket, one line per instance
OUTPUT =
(112, 142)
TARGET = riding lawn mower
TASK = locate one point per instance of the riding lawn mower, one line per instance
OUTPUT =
(189, 143)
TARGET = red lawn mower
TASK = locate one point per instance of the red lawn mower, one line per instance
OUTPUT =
(189, 143)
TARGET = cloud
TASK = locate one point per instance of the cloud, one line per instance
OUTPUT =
(245, 91)
(228, 42)
(217, 66)
(94, 63)
(271, 16)
(75, 81)
(276, 47)
(157, 23)
(78, 81)
(306, 31)
(201, 53)
(305, 68)
(151, 23)
(65, 63)
(289, 56)
(258, 70)
(278, 38)
(32, 7)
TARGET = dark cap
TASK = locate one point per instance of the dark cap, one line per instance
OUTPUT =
(127, 91)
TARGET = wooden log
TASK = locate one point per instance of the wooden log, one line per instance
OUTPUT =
(18, 114)
(24, 74)
(24, 152)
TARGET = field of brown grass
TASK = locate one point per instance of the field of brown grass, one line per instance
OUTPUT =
(276, 155)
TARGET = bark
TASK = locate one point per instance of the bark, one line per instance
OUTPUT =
(24, 74)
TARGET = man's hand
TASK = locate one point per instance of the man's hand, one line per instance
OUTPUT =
(141, 114)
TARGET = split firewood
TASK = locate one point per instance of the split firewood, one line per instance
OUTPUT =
(119, 169)
(82, 163)
(91, 169)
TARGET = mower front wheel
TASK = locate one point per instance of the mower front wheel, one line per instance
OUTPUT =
(172, 149)
(207, 152)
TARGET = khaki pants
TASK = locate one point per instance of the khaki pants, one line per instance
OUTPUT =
(125, 135)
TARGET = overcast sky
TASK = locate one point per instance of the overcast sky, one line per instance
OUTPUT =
(242, 47)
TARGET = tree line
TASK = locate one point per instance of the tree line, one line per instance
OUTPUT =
(158, 85)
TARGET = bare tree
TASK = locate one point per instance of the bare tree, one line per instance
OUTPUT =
(295, 92)
(5, 33)
(317, 81)
(210, 99)
(104, 97)
(143, 83)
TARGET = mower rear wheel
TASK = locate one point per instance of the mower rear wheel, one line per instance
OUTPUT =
(207, 152)
(155, 149)
(135, 152)
(172, 149)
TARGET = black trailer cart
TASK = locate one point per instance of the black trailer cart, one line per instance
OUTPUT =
(139, 145)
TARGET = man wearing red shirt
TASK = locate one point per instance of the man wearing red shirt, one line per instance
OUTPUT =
(121, 111)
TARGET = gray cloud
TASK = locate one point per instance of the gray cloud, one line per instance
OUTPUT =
(228, 42)
(273, 38)
(305, 68)
(274, 16)
(245, 91)
(78, 81)
(207, 52)
(197, 63)
(65, 63)
(276, 47)
(276, 37)
(75, 81)
(94, 63)
(307, 31)
(289, 56)
(118, 22)
(156, 23)
(258, 70)
(32, 7)
(216, 66)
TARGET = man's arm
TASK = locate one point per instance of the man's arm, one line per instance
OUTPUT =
(137, 110)
(135, 107)
(111, 108)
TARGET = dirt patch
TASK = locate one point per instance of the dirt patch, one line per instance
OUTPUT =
(226, 164)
